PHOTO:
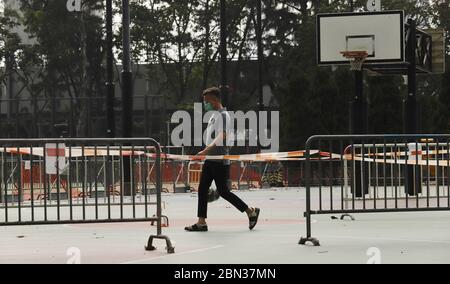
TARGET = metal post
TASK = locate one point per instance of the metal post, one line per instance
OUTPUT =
(413, 181)
(34, 129)
(84, 63)
(110, 91)
(308, 193)
(360, 122)
(110, 86)
(411, 101)
(207, 48)
(53, 107)
(360, 126)
(260, 54)
(223, 52)
(127, 88)
(308, 212)
(260, 63)
(127, 94)
(17, 114)
(223, 58)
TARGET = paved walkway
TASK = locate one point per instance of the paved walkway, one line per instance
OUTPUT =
(394, 237)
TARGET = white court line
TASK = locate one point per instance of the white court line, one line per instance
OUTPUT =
(386, 239)
(175, 254)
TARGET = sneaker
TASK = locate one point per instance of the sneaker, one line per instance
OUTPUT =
(197, 228)
(253, 218)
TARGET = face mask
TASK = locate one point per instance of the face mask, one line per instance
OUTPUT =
(208, 106)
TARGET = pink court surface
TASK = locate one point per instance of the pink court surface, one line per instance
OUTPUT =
(422, 237)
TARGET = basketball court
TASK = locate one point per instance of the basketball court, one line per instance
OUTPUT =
(344, 199)
(400, 237)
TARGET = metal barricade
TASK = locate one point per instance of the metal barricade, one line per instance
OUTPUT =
(377, 174)
(67, 181)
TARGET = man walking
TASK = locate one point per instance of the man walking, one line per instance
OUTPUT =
(217, 133)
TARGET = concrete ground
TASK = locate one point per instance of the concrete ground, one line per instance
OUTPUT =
(422, 237)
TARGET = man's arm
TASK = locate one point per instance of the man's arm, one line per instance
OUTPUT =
(214, 144)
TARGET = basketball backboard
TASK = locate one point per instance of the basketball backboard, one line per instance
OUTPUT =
(380, 34)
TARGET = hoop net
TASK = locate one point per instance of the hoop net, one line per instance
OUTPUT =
(356, 58)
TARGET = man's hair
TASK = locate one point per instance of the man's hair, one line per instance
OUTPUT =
(214, 91)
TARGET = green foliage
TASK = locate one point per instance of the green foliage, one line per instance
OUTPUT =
(64, 46)
(179, 39)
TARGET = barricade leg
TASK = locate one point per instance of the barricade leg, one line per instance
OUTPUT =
(150, 247)
(308, 238)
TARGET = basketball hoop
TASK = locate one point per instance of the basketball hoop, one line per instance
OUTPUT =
(356, 58)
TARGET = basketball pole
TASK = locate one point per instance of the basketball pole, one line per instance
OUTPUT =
(360, 126)
(110, 91)
(223, 53)
(127, 94)
(127, 87)
(411, 101)
(359, 109)
(413, 178)
(224, 92)
(260, 53)
(260, 65)
(110, 127)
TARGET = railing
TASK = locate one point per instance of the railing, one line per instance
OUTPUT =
(381, 173)
(64, 181)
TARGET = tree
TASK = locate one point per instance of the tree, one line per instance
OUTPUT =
(8, 41)
(166, 34)
(70, 46)
(385, 104)
(179, 42)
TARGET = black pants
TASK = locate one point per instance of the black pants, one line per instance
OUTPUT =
(220, 173)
